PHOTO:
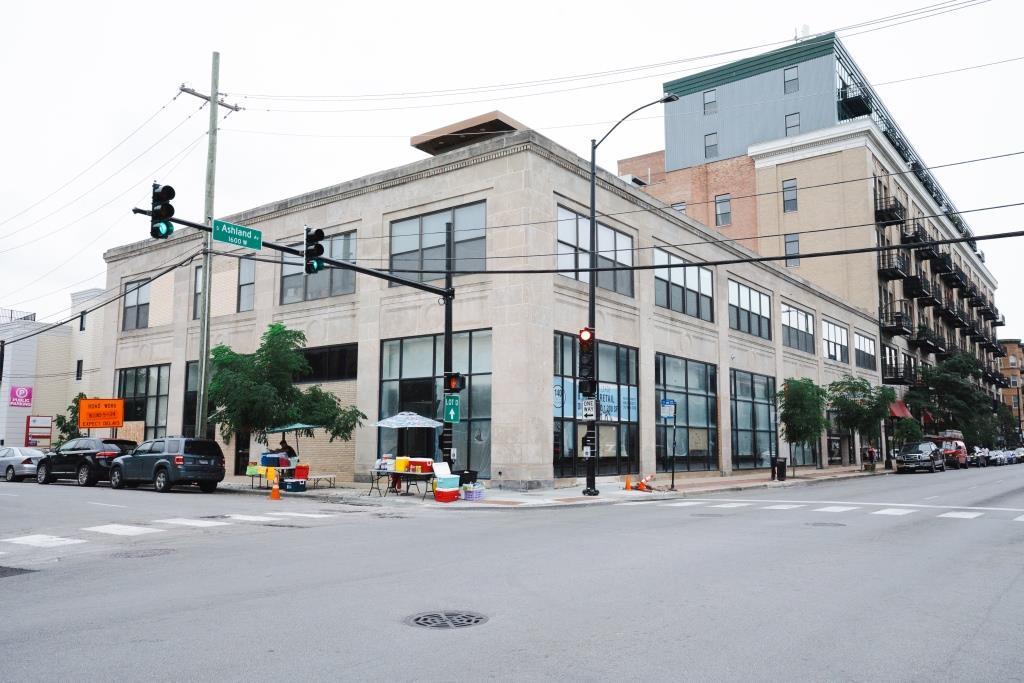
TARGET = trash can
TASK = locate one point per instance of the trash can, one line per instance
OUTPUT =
(467, 477)
(780, 466)
(775, 467)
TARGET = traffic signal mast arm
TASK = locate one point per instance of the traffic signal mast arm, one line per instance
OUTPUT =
(439, 291)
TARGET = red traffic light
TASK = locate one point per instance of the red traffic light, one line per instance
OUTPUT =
(454, 382)
(586, 336)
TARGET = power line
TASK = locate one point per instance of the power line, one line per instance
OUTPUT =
(85, 371)
(92, 165)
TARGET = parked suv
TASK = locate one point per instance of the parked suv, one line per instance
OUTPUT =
(955, 452)
(924, 455)
(170, 461)
(86, 460)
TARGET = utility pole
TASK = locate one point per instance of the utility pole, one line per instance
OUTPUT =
(449, 255)
(211, 176)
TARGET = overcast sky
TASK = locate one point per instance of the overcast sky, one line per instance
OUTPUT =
(80, 77)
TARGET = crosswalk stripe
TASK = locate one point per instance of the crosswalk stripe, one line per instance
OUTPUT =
(202, 523)
(253, 518)
(122, 530)
(782, 507)
(309, 515)
(685, 503)
(1019, 519)
(43, 541)
(732, 505)
(835, 508)
(961, 515)
(632, 502)
(895, 512)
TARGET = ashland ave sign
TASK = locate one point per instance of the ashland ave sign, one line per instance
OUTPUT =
(237, 235)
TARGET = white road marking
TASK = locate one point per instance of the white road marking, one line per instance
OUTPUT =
(315, 515)
(862, 502)
(107, 505)
(685, 503)
(732, 505)
(931, 497)
(9, 495)
(122, 530)
(782, 507)
(43, 541)
(835, 508)
(1019, 519)
(632, 502)
(181, 521)
(961, 515)
(253, 518)
(896, 512)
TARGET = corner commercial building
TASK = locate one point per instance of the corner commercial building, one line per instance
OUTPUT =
(710, 337)
(792, 151)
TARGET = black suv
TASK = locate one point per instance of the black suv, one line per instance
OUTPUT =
(86, 460)
(170, 461)
(920, 456)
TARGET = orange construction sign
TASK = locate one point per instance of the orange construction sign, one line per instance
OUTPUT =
(94, 413)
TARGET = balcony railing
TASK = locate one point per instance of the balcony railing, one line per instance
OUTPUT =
(955, 277)
(893, 264)
(899, 374)
(943, 263)
(1000, 321)
(889, 210)
(895, 320)
(917, 285)
(853, 101)
(913, 232)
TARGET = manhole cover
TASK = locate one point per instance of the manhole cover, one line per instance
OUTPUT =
(825, 524)
(447, 619)
(13, 571)
(143, 554)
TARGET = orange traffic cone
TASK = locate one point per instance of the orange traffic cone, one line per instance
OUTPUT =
(627, 483)
(275, 493)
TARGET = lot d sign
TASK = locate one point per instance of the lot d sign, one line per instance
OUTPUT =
(96, 413)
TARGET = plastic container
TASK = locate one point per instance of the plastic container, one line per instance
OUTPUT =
(472, 494)
(401, 464)
(270, 460)
(446, 495)
(447, 482)
(295, 485)
(467, 476)
(425, 464)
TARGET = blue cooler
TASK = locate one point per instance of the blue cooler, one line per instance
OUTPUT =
(270, 460)
(295, 485)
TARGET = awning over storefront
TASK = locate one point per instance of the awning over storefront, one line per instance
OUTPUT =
(899, 409)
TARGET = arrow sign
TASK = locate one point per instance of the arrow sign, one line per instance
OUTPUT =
(452, 409)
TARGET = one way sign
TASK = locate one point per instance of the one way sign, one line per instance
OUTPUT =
(452, 413)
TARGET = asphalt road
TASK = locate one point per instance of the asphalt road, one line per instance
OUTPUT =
(909, 577)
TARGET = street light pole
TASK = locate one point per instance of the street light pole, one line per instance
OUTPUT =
(590, 438)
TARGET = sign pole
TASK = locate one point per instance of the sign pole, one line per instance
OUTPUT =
(674, 430)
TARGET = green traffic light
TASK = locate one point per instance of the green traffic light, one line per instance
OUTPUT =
(166, 229)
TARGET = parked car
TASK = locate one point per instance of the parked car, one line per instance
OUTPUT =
(978, 457)
(168, 462)
(924, 455)
(18, 463)
(996, 458)
(1011, 457)
(86, 460)
(955, 453)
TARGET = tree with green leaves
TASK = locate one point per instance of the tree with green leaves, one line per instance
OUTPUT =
(802, 410)
(67, 425)
(859, 406)
(907, 430)
(256, 392)
(948, 392)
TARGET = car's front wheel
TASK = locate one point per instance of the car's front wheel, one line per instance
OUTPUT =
(43, 474)
(85, 477)
(116, 478)
(161, 481)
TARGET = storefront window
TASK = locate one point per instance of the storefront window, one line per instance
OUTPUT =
(693, 386)
(412, 370)
(618, 439)
(144, 391)
(754, 435)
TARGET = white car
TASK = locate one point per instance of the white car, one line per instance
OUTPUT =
(996, 458)
(17, 463)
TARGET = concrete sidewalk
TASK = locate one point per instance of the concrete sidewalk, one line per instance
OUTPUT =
(610, 488)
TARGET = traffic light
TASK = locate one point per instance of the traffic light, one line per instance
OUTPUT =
(588, 385)
(160, 227)
(454, 382)
(314, 250)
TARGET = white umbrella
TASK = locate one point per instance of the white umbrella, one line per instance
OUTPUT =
(406, 420)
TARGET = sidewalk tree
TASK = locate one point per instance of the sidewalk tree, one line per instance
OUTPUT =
(255, 392)
(859, 406)
(949, 394)
(907, 430)
(67, 425)
(802, 410)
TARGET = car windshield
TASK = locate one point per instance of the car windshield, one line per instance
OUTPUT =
(923, 447)
(31, 452)
(123, 445)
(203, 448)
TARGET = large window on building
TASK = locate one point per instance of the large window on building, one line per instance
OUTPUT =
(136, 306)
(789, 203)
(618, 437)
(797, 329)
(331, 363)
(754, 437)
(750, 311)
(687, 290)
(723, 209)
(710, 102)
(694, 441)
(246, 284)
(614, 248)
(791, 79)
(835, 342)
(792, 250)
(711, 145)
(144, 391)
(802, 454)
(190, 401)
(197, 292)
(418, 243)
(411, 378)
(864, 351)
(792, 124)
(297, 286)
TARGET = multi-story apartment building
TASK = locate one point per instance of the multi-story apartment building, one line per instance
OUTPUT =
(792, 151)
(1011, 380)
(717, 339)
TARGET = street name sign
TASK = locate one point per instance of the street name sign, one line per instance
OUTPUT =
(452, 410)
(96, 413)
(237, 235)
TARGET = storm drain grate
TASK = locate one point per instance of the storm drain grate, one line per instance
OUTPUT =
(13, 571)
(825, 524)
(142, 554)
(447, 619)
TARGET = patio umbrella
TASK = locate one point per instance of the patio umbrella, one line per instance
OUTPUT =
(408, 420)
(297, 427)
